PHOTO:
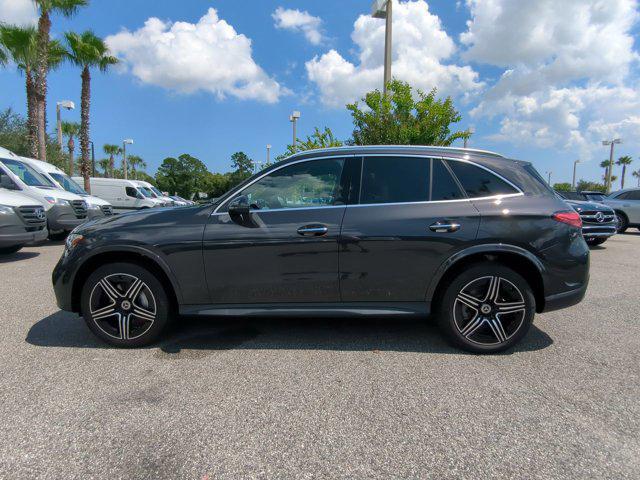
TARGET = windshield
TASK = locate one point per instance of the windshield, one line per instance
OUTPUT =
(146, 192)
(157, 192)
(571, 196)
(68, 184)
(27, 174)
(594, 197)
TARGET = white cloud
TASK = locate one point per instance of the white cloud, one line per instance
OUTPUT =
(567, 79)
(18, 12)
(299, 21)
(206, 56)
(420, 49)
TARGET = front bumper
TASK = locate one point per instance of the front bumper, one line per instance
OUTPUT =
(64, 218)
(13, 231)
(599, 231)
(93, 214)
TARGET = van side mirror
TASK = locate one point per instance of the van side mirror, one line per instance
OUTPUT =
(239, 206)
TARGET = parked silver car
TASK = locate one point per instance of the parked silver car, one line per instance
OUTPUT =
(626, 204)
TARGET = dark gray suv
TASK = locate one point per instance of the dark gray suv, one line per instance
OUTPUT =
(477, 240)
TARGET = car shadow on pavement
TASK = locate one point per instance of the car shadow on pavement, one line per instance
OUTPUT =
(191, 337)
(16, 257)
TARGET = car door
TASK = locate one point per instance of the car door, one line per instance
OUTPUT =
(631, 205)
(283, 248)
(411, 216)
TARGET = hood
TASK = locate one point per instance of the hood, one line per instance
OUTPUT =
(91, 200)
(580, 206)
(59, 193)
(15, 199)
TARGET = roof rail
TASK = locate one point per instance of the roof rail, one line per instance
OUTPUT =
(399, 148)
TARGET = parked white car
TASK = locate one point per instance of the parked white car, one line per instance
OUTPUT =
(626, 204)
(96, 207)
(124, 195)
(155, 193)
(65, 210)
(22, 220)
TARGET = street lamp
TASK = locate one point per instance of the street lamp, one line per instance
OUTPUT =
(268, 154)
(93, 159)
(293, 118)
(126, 142)
(384, 9)
(69, 105)
(549, 180)
(575, 164)
(613, 143)
(471, 131)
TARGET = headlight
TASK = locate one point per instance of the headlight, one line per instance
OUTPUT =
(6, 210)
(73, 239)
(57, 201)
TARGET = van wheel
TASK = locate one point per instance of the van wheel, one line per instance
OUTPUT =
(10, 250)
(486, 309)
(125, 305)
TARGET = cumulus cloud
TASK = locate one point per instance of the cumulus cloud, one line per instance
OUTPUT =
(185, 57)
(422, 51)
(18, 12)
(299, 21)
(567, 69)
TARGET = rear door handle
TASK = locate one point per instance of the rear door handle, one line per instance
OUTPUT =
(313, 230)
(444, 227)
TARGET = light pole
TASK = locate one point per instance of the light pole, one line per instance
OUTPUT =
(69, 105)
(549, 180)
(613, 143)
(575, 164)
(93, 159)
(384, 9)
(268, 154)
(126, 142)
(293, 118)
(471, 131)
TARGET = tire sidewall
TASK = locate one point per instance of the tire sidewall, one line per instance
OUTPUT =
(623, 222)
(163, 307)
(445, 313)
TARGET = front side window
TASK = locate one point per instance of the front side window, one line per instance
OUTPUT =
(27, 174)
(132, 192)
(395, 180)
(68, 184)
(314, 183)
(479, 182)
(634, 195)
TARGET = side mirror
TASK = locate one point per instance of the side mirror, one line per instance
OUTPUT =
(239, 206)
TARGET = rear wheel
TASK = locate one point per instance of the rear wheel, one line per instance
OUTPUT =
(10, 250)
(488, 308)
(125, 305)
(592, 242)
(623, 222)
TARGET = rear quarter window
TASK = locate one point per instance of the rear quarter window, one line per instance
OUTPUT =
(478, 182)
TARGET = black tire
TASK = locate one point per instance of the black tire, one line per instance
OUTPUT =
(486, 332)
(110, 309)
(623, 222)
(592, 242)
(10, 250)
(56, 237)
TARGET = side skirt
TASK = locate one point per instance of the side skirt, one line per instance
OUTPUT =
(325, 310)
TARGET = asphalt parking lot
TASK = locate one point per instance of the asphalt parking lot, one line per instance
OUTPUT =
(321, 398)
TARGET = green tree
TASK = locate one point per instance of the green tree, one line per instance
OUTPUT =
(135, 163)
(112, 151)
(104, 164)
(217, 184)
(319, 139)
(71, 131)
(87, 51)
(184, 175)
(46, 8)
(20, 45)
(624, 161)
(637, 175)
(399, 119)
(562, 187)
(605, 164)
(585, 185)
(242, 164)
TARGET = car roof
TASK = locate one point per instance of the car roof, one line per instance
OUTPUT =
(394, 149)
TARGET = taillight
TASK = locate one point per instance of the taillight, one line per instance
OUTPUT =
(570, 218)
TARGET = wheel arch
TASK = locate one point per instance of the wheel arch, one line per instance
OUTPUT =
(517, 258)
(138, 256)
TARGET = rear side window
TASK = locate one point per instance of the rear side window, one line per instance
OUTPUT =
(478, 182)
(443, 186)
(395, 180)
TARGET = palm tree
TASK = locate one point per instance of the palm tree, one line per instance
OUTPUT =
(605, 164)
(112, 151)
(87, 51)
(71, 130)
(104, 165)
(637, 175)
(43, 42)
(624, 161)
(134, 161)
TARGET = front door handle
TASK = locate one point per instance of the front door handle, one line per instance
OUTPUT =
(444, 227)
(313, 230)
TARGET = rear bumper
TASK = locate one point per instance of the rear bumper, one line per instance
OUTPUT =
(564, 299)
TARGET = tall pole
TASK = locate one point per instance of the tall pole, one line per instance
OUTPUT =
(124, 160)
(295, 134)
(575, 164)
(549, 180)
(611, 143)
(388, 39)
(93, 159)
(268, 154)
(59, 126)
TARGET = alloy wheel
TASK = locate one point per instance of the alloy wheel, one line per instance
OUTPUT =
(489, 310)
(122, 306)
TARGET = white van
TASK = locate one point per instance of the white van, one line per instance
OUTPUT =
(65, 210)
(124, 195)
(96, 207)
(155, 193)
(22, 220)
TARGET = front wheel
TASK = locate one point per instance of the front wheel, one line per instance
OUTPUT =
(125, 305)
(623, 222)
(488, 308)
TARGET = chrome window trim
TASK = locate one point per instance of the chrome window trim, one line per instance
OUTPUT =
(468, 199)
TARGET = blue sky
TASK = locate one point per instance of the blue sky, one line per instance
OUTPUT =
(533, 85)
